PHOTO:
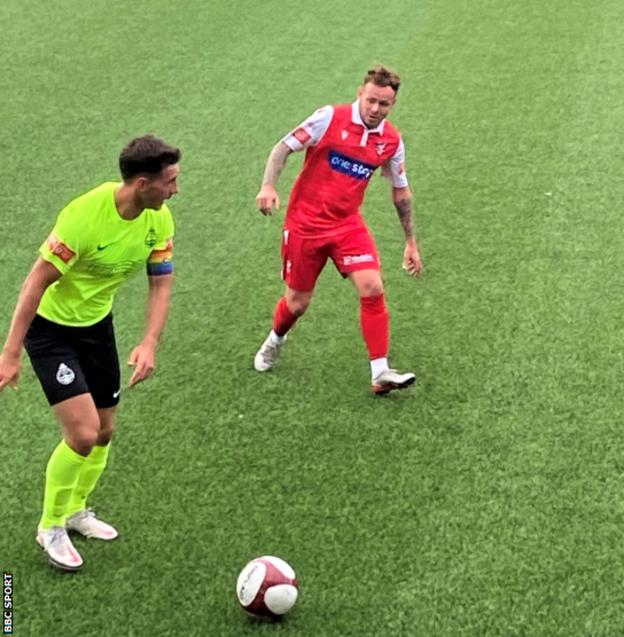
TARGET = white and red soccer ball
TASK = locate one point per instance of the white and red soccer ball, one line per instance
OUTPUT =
(267, 587)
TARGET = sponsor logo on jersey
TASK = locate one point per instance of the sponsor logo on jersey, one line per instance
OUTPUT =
(349, 166)
(358, 258)
(65, 375)
(302, 135)
(57, 247)
(105, 271)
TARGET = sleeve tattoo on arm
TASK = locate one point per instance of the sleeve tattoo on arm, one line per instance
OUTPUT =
(404, 210)
(275, 163)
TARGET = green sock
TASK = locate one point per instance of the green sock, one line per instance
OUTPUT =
(90, 473)
(61, 475)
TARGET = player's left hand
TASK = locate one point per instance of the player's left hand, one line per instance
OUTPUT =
(143, 359)
(267, 199)
(412, 262)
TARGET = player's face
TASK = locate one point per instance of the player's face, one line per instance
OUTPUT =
(375, 103)
(155, 191)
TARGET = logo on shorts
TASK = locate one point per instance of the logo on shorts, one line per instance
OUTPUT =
(359, 258)
(116, 394)
(65, 375)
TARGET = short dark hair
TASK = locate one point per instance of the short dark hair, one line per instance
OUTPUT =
(381, 75)
(148, 154)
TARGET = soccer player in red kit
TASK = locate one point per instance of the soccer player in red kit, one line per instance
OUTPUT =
(344, 146)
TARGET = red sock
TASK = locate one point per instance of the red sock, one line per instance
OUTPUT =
(283, 318)
(375, 322)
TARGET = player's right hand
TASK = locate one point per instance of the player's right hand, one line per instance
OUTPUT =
(267, 199)
(10, 368)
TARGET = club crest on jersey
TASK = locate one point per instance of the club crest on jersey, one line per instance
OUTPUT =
(344, 134)
(349, 166)
(150, 238)
(65, 375)
(380, 146)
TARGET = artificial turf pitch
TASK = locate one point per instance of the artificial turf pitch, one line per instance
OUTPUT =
(487, 500)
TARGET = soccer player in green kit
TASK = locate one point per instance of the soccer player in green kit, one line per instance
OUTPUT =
(63, 318)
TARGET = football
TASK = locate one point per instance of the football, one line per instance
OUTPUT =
(267, 587)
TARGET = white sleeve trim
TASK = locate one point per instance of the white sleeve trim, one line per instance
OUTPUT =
(396, 165)
(311, 130)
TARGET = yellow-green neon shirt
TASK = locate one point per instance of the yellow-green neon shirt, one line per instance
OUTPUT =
(96, 250)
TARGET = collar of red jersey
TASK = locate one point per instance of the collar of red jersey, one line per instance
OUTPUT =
(356, 118)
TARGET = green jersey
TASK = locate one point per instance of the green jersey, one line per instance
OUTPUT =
(96, 249)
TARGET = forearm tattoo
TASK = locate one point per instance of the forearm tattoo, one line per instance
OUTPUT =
(404, 210)
(275, 163)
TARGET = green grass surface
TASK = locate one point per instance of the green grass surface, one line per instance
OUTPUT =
(488, 500)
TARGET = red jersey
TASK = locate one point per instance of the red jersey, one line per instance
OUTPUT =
(341, 156)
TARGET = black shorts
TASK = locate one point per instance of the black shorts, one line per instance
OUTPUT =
(70, 361)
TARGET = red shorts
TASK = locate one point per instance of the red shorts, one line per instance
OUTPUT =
(303, 259)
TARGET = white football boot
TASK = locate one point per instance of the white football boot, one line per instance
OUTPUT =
(390, 380)
(61, 552)
(267, 353)
(85, 523)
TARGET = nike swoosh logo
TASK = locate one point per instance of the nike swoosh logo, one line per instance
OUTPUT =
(117, 393)
(101, 247)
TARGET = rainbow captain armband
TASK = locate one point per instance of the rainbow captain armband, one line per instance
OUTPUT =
(161, 261)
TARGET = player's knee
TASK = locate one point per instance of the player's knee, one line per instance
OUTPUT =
(82, 435)
(106, 433)
(82, 441)
(298, 306)
(106, 425)
(371, 288)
